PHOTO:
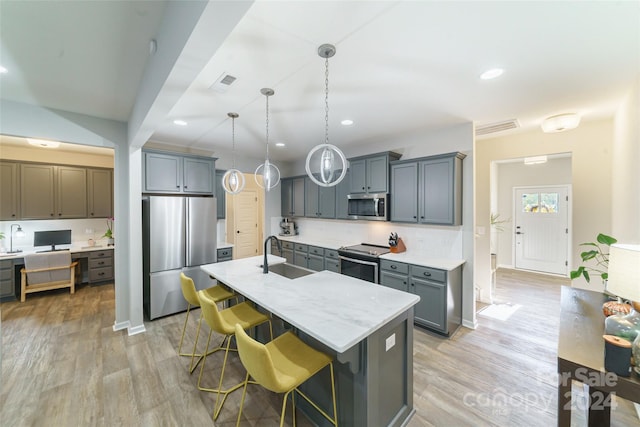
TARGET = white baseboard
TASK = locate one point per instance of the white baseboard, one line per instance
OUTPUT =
(136, 330)
(120, 326)
(470, 324)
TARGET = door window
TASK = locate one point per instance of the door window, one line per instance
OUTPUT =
(540, 202)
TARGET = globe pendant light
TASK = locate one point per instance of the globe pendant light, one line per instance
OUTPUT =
(269, 172)
(321, 161)
(233, 180)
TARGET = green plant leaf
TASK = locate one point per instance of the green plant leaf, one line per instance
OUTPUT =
(588, 255)
(604, 276)
(606, 240)
(585, 273)
(576, 273)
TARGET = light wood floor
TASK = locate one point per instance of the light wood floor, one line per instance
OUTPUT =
(62, 365)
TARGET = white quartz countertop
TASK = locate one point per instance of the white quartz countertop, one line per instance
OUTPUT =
(73, 249)
(323, 243)
(224, 245)
(339, 311)
(417, 259)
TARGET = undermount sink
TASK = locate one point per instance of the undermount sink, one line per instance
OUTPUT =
(289, 271)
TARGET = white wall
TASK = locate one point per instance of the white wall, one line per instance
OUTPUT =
(625, 183)
(556, 171)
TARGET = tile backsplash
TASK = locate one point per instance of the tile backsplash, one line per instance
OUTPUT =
(81, 231)
(431, 241)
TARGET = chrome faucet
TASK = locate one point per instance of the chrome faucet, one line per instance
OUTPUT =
(265, 267)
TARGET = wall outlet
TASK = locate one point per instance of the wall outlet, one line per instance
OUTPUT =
(390, 342)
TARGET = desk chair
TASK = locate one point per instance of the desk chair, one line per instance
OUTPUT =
(281, 366)
(243, 316)
(46, 271)
(216, 293)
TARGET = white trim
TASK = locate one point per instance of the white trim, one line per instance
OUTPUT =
(120, 326)
(470, 324)
(136, 330)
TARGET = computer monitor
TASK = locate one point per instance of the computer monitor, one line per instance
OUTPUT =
(52, 238)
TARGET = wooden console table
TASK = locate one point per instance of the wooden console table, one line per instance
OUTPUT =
(581, 358)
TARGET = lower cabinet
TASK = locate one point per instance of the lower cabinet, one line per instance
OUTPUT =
(100, 266)
(440, 292)
(287, 250)
(7, 289)
(331, 260)
(224, 254)
(300, 253)
(315, 258)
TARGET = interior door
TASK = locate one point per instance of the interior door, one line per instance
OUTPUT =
(541, 229)
(246, 219)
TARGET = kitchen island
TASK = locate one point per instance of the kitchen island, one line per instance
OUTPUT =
(368, 328)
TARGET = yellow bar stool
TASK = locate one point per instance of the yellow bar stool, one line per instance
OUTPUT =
(243, 316)
(281, 366)
(216, 293)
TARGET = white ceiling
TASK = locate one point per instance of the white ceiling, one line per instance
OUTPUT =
(400, 67)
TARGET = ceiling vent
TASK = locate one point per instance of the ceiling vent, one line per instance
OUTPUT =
(222, 83)
(497, 127)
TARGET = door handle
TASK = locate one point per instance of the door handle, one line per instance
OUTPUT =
(238, 231)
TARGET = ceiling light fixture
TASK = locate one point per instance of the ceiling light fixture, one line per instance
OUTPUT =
(326, 161)
(179, 122)
(269, 172)
(346, 122)
(535, 160)
(492, 73)
(560, 123)
(3, 70)
(280, 144)
(233, 180)
(43, 143)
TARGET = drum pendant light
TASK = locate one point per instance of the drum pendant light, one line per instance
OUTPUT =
(321, 164)
(233, 180)
(269, 172)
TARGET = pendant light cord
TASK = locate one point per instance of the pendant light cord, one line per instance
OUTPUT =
(267, 125)
(233, 141)
(326, 101)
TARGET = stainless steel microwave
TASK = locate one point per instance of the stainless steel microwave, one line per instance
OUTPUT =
(368, 206)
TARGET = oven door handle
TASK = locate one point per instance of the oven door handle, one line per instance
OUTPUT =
(360, 261)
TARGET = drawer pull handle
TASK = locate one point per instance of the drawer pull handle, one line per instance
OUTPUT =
(101, 263)
(426, 273)
(101, 274)
(395, 267)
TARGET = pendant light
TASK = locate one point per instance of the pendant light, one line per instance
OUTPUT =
(233, 180)
(321, 160)
(269, 172)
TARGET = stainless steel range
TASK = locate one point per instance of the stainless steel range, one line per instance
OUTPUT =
(361, 261)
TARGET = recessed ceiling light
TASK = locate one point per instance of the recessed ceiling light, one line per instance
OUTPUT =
(180, 122)
(43, 143)
(3, 70)
(347, 122)
(280, 144)
(491, 74)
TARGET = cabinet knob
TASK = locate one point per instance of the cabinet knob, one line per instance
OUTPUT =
(13, 214)
(101, 263)
(363, 188)
(101, 273)
(426, 273)
(394, 267)
(237, 231)
(51, 214)
(422, 217)
(415, 217)
(60, 214)
(186, 186)
(177, 186)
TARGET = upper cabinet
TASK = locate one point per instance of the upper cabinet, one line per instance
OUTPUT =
(221, 196)
(9, 188)
(292, 196)
(428, 190)
(100, 193)
(175, 173)
(320, 202)
(71, 194)
(370, 174)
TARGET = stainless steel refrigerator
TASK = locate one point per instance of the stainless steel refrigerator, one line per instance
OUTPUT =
(179, 235)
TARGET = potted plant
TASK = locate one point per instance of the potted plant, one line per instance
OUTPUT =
(109, 233)
(599, 255)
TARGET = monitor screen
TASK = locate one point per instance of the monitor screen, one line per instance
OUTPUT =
(52, 238)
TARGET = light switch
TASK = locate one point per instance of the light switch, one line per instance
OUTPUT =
(390, 342)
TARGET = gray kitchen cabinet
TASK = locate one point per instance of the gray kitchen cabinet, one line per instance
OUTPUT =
(220, 195)
(48, 192)
(319, 202)
(440, 292)
(292, 196)
(99, 193)
(300, 255)
(370, 174)
(287, 250)
(427, 190)
(224, 254)
(332, 260)
(9, 190)
(165, 172)
(342, 191)
(315, 258)
(100, 266)
(7, 288)
(404, 192)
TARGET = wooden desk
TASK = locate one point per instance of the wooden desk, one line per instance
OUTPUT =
(581, 358)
